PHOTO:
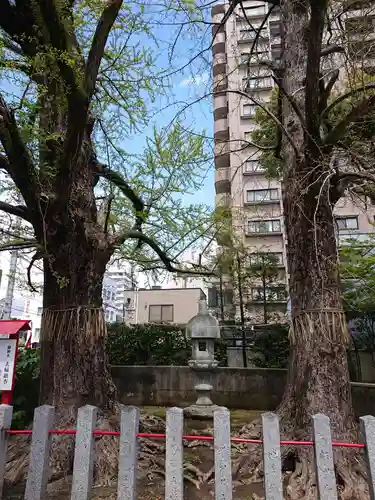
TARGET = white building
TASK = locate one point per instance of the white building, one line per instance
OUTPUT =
(121, 275)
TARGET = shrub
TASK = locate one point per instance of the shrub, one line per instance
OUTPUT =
(273, 347)
(26, 391)
(147, 345)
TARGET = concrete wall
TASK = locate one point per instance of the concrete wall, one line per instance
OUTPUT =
(242, 388)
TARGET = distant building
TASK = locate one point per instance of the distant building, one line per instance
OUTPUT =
(124, 281)
(162, 305)
(109, 293)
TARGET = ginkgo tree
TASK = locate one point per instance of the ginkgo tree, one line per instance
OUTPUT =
(317, 137)
(78, 80)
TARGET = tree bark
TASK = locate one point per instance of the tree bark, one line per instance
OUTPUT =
(74, 367)
(319, 337)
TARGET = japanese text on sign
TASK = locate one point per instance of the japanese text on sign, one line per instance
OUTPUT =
(7, 362)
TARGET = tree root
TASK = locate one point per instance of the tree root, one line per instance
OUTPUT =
(298, 465)
(151, 453)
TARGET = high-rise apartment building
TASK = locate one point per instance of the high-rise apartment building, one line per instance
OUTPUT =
(254, 199)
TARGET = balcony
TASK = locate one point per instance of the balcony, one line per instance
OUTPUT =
(257, 83)
(269, 294)
(253, 167)
(262, 197)
(249, 35)
(271, 259)
(252, 12)
(257, 59)
(269, 227)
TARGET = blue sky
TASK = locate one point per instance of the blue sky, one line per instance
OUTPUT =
(187, 86)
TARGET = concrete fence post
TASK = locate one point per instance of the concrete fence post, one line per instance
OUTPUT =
(325, 469)
(38, 473)
(174, 482)
(272, 457)
(83, 466)
(6, 412)
(128, 454)
(368, 436)
(222, 450)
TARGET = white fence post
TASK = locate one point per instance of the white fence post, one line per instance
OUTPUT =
(222, 447)
(6, 412)
(84, 455)
(128, 454)
(174, 482)
(368, 435)
(272, 457)
(38, 473)
(325, 469)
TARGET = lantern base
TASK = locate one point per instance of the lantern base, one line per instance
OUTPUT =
(200, 412)
(203, 408)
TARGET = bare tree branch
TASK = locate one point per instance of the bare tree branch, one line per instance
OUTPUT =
(116, 179)
(103, 29)
(167, 261)
(38, 255)
(18, 210)
(332, 49)
(19, 163)
(312, 94)
(18, 245)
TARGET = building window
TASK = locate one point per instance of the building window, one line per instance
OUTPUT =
(39, 311)
(253, 166)
(271, 258)
(113, 296)
(260, 195)
(345, 223)
(256, 57)
(264, 226)
(248, 110)
(257, 82)
(160, 314)
(250, 34)
(271, 293)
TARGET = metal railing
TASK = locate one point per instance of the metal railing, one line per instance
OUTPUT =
(39, 473)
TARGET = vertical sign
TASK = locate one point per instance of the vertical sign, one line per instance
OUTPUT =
(7, 363)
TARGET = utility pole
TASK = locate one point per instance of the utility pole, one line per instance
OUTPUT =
(7, 312)
(242, 313)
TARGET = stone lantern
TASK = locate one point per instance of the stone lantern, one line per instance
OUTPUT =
(202, 331)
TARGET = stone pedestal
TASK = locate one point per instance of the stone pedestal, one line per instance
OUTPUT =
(203, 408)
(202, 331)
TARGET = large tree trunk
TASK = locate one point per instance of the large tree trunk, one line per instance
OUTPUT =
(74, 334)
(319, 336)
(318, 375)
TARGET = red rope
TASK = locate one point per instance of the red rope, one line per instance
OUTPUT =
(97, 432)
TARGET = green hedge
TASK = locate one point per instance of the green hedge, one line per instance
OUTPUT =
(147, 345)
(135, 345)
(272, 346)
